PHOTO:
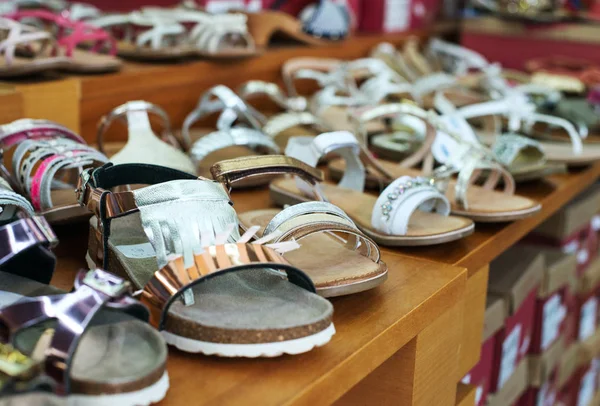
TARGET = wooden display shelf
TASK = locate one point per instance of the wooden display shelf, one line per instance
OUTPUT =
(415, 318)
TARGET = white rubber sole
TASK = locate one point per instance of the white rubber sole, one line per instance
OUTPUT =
(292, 347)
(143, 397)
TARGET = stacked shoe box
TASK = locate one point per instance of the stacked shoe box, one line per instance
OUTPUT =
(562, 360)
(502, 371)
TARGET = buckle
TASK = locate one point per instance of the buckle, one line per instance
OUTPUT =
(42, 225)
(82, 183)
(107, 283)
(13, 362)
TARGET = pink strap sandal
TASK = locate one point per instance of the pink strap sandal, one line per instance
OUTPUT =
(71, 34)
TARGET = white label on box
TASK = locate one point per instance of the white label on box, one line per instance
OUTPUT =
(586, 388)
(587, 319)
(478, 395)
(510, 351)
(137, 251)
(396, 15)
(553, 314)
(541, 397)
(596, 223)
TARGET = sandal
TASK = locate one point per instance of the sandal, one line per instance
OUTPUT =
(293, 121)
(28, 239)
(90, 346)
(309, 29)
(44, 156)
(145, 37)
(419, 217)
(70, 35)
(238, 132)
(41, 48)
(525, 158)
(240, 305)
(211, 35)
(342, 259)
(143, 145)
(521, 116)
(468, 161)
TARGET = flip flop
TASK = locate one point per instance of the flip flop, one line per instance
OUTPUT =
(467, 161)
(238, 132)
(293, 121)
(309, 29)
(91, 346)
(210, 291)
(419, 217)
(72, 34)
(41, 46)
(143, 145)
(342, 259)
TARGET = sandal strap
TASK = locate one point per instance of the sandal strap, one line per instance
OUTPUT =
(9, 198)
(23, 129)
(221, 99)
(93, 188)
(42, 180)
(254, 88)
(234, 170)
(209, 34)
(422, 154)
(309, 68)
(304, 219)
(77, 32)
(396, 204)
(22, 235)
(121, 112)
(173, 280)
(311, 150)
(239, 136)
(19, 34)
(73, 313)
(284, 121)
(509, 146)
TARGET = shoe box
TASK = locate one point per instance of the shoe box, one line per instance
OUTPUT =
(573, 229)
(515, 277)
(481, 374)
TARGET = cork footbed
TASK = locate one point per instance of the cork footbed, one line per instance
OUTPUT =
(484, 205)
(21, 66)
(117, 353)
(423, 228)
(90, 62)
(335, 269)
(132, 51)
(264, 25)
(244, 307)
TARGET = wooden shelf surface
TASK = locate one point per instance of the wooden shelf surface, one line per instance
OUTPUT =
(371, 327)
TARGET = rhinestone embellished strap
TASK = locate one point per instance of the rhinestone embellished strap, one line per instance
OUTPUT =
(401, 198)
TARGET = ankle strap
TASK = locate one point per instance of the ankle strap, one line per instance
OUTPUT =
(234, 170)
(93, 188)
